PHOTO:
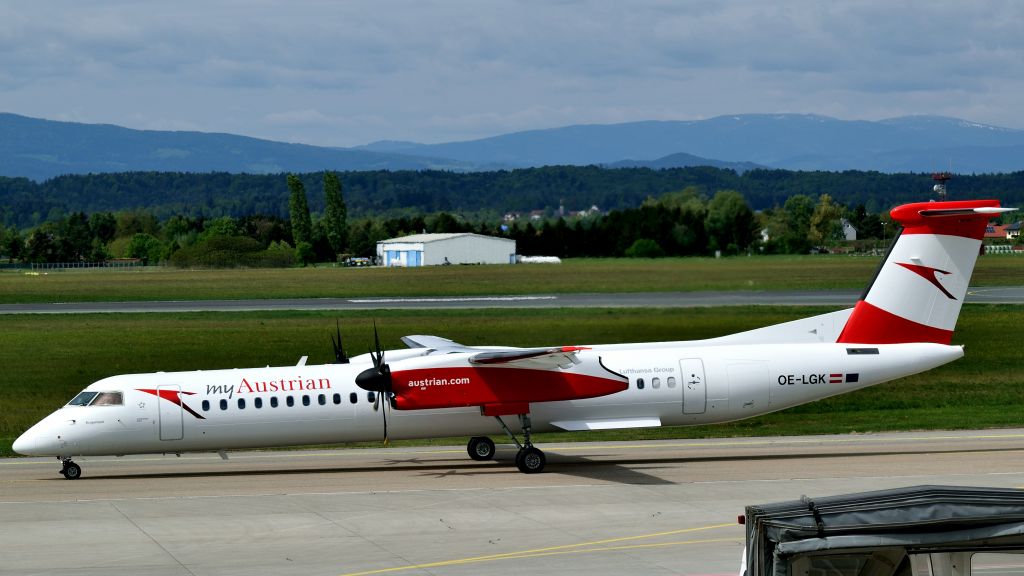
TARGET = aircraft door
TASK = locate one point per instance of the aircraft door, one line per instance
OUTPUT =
(172, 421)
(695, 398)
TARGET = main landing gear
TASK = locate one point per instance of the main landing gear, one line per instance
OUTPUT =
(480, 448)
(529, 460)
(70, 470)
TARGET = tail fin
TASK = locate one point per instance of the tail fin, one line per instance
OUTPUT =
(918, 290)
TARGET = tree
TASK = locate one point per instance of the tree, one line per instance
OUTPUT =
(644, 248)
(75, 238)
(42, 246)
(103, 226)
(224, 226)
(825, 225)
(14, 245)
(335, 220)
(790, 227)
(298, 209)
(730, 222)
(145, 247)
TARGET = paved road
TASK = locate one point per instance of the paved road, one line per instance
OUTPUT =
(666, 507)
(996, 295)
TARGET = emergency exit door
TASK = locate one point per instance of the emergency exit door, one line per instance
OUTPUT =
(695, 398)
(172, 421)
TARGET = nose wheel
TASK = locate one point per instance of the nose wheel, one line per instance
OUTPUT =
(70, 470)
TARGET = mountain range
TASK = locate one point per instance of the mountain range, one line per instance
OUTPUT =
(40, 149)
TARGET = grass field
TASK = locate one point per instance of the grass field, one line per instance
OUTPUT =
(581, 275)
(47, 359)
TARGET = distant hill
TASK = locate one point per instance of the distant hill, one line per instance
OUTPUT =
(684, 160)
(787, 141)
(41, 149)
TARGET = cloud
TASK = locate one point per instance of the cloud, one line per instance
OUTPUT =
(345, 73)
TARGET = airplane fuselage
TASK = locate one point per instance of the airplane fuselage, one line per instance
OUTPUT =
(669, 384)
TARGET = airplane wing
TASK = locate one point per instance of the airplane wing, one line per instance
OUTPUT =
(434, 343)
(537, 358)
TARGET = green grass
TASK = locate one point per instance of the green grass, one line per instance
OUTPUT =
(47, 359)
(580, 275)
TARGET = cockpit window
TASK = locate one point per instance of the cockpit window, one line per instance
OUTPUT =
(82, 399)
(98, 399)
(108, 399)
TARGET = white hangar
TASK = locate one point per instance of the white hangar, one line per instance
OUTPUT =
(435, 249)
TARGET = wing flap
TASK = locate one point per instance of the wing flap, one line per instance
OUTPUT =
(537, 358)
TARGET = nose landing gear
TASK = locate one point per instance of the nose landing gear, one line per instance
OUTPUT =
(70, 470)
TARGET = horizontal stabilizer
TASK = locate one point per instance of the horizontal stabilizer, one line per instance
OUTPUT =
(964, 211)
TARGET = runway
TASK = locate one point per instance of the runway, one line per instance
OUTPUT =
(661, 507)
(989, 295)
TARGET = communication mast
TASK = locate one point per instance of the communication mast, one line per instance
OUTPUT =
(940, 179)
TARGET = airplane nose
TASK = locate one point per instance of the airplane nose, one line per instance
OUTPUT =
(32, 443)
(23, 445)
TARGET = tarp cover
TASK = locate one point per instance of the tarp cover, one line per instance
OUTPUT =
(927, 516)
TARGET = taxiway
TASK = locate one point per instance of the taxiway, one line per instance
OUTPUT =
(660, 507)
(989, 295)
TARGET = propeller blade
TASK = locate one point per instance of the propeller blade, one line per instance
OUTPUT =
(339, 350)
(378, 358)
(384, 413)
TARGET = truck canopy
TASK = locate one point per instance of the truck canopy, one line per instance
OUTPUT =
(917, 530)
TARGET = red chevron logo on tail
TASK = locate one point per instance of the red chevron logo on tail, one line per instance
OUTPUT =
(929, 274)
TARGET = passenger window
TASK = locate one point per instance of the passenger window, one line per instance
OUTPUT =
(655, 383)
(305, 399)
(223, 404)
(337, 398)
(258, 403)
(671, 382)
(82, 399)
(108, 399)
(321, 399)
(273, 401)
(370, 397)
(353, 398)
(241, 403)
(639, 383)
(289, 401)
(206, 405)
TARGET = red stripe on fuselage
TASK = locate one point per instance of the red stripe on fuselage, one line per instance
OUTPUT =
(871, 325)
(469, 386)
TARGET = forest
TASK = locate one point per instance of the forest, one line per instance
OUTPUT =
(224, 220)
(475, 195)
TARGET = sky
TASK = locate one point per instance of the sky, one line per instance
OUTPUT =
(346, 73)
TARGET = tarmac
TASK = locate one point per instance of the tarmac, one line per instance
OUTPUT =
(600, 508)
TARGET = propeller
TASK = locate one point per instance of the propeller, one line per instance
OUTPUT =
(339, 350)
(377, 380)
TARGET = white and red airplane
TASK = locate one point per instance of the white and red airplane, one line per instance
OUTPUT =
(902, 325)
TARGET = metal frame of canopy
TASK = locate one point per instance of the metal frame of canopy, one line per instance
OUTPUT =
(922, 530)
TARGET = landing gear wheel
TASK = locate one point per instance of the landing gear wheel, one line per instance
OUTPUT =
(71, 471)
(530, 460)
(480, 448)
